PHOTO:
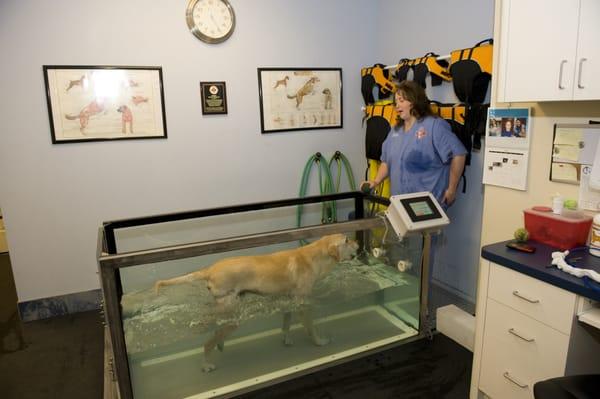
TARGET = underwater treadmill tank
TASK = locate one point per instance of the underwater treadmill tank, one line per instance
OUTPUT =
(227, 331)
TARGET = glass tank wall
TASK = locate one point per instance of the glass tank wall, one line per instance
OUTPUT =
(256, 308)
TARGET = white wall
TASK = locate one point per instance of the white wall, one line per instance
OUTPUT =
(410, 29)
(54, 197)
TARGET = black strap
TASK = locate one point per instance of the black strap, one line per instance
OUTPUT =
(490, 41)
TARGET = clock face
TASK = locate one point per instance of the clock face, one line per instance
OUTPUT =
(211, 21)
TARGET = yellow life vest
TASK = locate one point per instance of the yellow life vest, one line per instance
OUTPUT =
(378, 76)
(471, 71)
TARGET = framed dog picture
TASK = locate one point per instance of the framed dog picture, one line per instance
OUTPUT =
(300, 99)
(95, 103)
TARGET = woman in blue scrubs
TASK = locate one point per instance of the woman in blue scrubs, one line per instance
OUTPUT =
(421, 153)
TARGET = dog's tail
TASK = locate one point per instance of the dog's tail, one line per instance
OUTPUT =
(292, 97)
(198, 275)
(71, 117)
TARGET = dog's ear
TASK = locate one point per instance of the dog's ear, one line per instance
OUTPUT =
(334, 251)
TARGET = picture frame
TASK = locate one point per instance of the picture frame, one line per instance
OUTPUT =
(214, 98)
(100, 103)
(300, 99)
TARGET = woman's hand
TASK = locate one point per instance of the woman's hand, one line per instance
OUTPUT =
(449, 196)
(372, 184)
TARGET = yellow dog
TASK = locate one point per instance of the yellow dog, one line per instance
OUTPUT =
(292, 272)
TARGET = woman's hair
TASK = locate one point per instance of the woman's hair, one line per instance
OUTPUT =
(415, 94)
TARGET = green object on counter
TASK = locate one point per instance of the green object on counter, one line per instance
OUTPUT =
(521, 234)
(570, 204)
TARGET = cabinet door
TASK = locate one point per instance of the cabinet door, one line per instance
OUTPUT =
(587, 79)
(537, 49)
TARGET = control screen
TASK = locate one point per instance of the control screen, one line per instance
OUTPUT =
(420, 209)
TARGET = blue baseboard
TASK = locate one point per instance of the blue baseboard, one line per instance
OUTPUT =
(45, 308)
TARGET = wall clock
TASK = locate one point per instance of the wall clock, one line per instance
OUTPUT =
(211, 21)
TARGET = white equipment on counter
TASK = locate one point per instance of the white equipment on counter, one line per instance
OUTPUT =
(558, 259)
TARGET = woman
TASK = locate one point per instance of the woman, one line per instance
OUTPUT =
(422, 153)
(507, 128)
(519, 130)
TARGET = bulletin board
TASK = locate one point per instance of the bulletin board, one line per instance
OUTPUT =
(573, 148)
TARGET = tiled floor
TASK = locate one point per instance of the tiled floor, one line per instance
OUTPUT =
(63, 359)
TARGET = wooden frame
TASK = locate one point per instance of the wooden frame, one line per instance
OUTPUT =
(97, 103)
(300, 99)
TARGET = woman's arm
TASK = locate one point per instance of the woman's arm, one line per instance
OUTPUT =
(457, 166)
(382, 173)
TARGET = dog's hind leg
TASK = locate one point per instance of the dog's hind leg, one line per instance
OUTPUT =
(216, 342)
(307, 320)
(287, 322)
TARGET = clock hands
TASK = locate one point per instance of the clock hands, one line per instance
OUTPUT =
(212, 18)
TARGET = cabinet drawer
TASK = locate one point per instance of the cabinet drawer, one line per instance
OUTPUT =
(544, 302)
(517, 352)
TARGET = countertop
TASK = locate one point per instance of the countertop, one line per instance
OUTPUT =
(538, 265)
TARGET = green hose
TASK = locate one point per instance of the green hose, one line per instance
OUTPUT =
(341, 159)
(328, 213)
(326, 185)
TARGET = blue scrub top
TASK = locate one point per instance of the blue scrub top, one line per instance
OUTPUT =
(419, 160)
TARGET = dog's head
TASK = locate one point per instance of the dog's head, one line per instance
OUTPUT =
(341, 247)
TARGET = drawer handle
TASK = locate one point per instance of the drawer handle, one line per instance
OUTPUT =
(512, 379)
(516, 334)
(517, 294)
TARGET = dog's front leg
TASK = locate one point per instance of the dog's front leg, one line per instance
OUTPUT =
(307, 320)
(216, 341)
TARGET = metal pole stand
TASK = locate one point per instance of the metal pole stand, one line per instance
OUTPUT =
(425, 321)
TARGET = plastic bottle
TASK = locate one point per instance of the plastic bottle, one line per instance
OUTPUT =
(557, 204)
(595, 236)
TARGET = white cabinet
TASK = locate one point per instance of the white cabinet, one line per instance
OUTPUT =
(587, 83)
(522, 334)
(549, 50)
(517, 352)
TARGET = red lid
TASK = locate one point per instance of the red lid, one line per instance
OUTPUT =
(541, 208)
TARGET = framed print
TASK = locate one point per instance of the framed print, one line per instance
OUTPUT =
(300, 98)
(95, 103)
(214, 98)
